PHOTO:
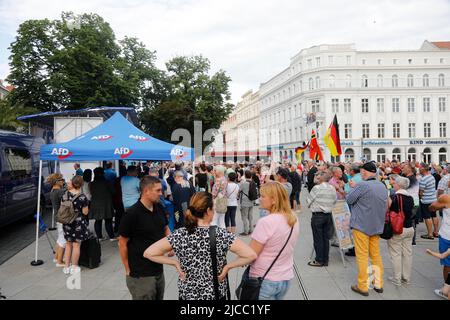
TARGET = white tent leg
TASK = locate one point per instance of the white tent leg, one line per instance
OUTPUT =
(37, 262)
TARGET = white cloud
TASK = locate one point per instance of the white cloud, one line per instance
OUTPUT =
(254, 39)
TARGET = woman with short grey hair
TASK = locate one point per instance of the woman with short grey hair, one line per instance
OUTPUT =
(400, 245)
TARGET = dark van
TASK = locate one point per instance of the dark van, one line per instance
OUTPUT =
(19, 171)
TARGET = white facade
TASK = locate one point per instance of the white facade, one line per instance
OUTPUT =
(394, 102)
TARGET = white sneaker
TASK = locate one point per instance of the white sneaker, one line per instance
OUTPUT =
(60, 265)
(406, 282)
(394, 282)
(66, 270)
(440, 294)
(75, 269)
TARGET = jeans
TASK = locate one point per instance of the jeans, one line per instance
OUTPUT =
(273, 290)
(247, 219)
(230, 217)
(321, 224)
(108, 226)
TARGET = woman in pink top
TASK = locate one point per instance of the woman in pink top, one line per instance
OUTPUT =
(270, 235)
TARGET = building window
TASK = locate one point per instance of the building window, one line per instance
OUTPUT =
(427, 130)
(317, 82)
(381, 155)
(347, 105)
(443, 130)
(364, 82)
(412, 154)
(379, 81)
(332, 81)
(311, 84)
(380, 105)
(412, 130)
(396, 154)
(315, 106)
(348, 131)
(411, 105)
(309, 64)
(395, 104)
(318, 62)
(365, 105)
(427, 155)
(442, 104)
(426, 105)
(396, 130)
(409, 61)
(381, 130)
(365, 131)
(349, 155)
(349, 60)
(394, 81)
(426, 80)
(379, 61)
(441, 60)
(442, 155)
(394, 61)
(441, 80)
(335, 105)
(330, 60)
(363, 61)
(348, 81)
(410, 81)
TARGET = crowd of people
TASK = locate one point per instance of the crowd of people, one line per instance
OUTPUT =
(206, 198)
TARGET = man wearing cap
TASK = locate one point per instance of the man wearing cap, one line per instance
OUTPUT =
(368, 201)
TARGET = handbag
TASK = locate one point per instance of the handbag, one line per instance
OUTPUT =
(388, 233)
(398, 218)
(215, 274)
(249, 288)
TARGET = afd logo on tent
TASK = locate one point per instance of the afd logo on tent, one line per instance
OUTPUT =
(102, 137)
(178, 154)
(124, 152)
(138, 138)
(62, 153)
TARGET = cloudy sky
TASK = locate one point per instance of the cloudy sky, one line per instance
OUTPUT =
(253, 39)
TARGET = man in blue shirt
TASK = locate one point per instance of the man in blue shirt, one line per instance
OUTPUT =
(78, 170)
(427, 195)
(110, 174)
(130, 187)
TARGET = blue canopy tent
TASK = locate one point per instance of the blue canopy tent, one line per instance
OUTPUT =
(115, 139)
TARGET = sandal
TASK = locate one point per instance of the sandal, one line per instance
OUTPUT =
(435, 234)
(314, 263)
(425, 236)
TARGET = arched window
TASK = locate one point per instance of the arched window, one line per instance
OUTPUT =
(367, 154)
(332, 81)
(442, 155)
(412, 154)
(426, 155)
(349, 155)
(441, 80)
(394, 81)
(381, 155)
(426, 80)
(364, 81)
(317, 82)
(348, 81)
(311, 84)
(380, 81)
(410, 81)
(397, 154)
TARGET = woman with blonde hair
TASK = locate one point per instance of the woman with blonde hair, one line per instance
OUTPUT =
(274, 240)
(192, 246)
(219, 191)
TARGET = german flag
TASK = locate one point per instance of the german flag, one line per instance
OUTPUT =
(332, 139)
(299, 151)
(314, 150)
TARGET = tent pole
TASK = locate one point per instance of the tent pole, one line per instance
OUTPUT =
(37, 262)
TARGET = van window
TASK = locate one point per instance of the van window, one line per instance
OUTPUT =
(19, 162)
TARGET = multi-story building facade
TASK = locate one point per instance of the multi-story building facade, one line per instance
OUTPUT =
(389, 104)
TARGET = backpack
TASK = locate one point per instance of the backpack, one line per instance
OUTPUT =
(66, 213)
(252, 191)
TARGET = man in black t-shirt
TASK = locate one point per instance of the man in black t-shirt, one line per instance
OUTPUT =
(144, 224)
